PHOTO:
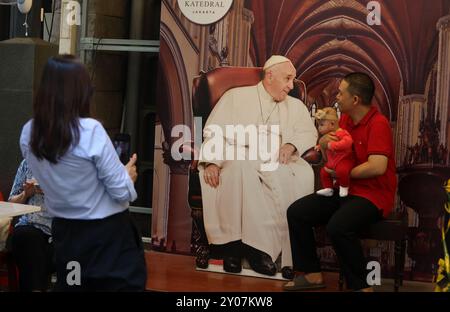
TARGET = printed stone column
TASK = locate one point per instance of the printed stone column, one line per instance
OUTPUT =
(408, 122)
(443, 76)
(241, 20)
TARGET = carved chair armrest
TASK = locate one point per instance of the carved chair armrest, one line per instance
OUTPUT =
(312, 156)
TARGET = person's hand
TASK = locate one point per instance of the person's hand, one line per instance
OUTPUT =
(331, 172)
(131, 168)
(317, 148)
(211, 175)
(28, 189)
(327, 138)
(286, 152)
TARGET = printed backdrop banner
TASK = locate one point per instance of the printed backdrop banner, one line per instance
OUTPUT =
(404, 47)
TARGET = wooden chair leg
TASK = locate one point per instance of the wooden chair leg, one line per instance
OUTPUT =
(341, 280)
(397, 265)
(199, 240)
(402, 260)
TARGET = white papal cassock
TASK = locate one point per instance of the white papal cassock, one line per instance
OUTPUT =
(250, 203)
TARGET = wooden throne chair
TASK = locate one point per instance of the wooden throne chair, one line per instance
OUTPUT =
(207, 89)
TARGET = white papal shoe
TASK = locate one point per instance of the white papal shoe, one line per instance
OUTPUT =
(328, 192)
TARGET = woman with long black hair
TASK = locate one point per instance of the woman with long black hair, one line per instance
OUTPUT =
(87, 189)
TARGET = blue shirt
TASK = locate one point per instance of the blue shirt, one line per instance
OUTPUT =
(41, 220)
(88, 182)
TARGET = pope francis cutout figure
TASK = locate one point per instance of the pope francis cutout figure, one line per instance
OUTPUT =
(251, 169)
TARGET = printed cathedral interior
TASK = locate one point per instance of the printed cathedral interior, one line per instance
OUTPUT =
(406, 51)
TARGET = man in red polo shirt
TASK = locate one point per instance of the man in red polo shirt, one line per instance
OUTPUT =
(371, 194)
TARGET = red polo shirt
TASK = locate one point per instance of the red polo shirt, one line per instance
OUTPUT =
(373, 136)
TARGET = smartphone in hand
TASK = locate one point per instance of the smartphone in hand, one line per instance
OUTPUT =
(122, 146)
